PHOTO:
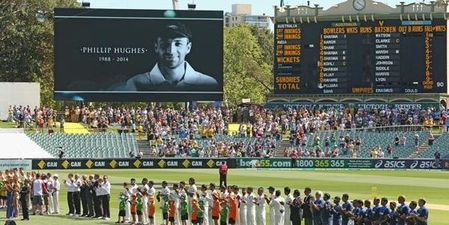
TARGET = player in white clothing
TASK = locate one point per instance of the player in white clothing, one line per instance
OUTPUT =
(204, 197)
(272, 212)
(143, 189)
(211, 202)
(278, 204)
(131, 189)
(288, 202)
(242, 209)
(250, 207)
(260, 207)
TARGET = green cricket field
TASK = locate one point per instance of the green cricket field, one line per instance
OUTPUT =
(360, 184)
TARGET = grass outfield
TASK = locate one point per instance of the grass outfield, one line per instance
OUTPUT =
(363, 184)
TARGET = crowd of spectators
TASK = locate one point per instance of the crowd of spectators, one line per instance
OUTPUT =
(195, 132)
(207, 121)
(233, 147)
(29, 117)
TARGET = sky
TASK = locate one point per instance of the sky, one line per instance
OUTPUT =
(259, 7)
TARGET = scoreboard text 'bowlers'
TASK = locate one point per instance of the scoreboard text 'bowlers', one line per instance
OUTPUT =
(384, 56)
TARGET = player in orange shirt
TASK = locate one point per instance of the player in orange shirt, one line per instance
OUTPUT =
(233, 207)
(216, 208)
(151, 209)
(195, 211)
(172, 211)
(134, 208)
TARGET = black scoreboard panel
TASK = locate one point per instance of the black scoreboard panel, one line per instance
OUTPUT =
(383, 56)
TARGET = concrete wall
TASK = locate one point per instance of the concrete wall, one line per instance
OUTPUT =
(18, 93)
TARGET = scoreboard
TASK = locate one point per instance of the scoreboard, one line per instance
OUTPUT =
(383, 56)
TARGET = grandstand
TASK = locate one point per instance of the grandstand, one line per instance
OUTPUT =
(115, 145)
(373, 139)
(441, 144)
(98, 145)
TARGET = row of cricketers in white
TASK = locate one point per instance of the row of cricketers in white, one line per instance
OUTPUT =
(251, 211)
(53, 187)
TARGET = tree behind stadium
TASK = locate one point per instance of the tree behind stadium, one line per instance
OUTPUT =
(247, 74)
(26, 42)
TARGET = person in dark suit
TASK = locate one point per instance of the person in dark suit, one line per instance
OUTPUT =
(24, 192)
(96, 200)
(306, 206)
(295, 208)
(84, 191)
(172, 71)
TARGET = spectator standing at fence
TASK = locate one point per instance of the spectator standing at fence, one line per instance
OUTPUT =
(61, 125)
(223, 171)
(430, 140)
(389, 150)
(403, 140)
(416, 139)
(61, 153)
(447, 125)
(437, 156)
(294, 158)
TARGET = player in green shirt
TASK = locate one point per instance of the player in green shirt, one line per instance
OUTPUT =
(139, 208)
(201, 211)
(122, 207)
(184, 210)
(224, 213)
(164, 208)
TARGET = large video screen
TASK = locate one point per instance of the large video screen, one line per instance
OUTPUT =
(365, 57)
(138, 55)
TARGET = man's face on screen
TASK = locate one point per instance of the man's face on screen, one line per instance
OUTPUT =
(172, 51)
